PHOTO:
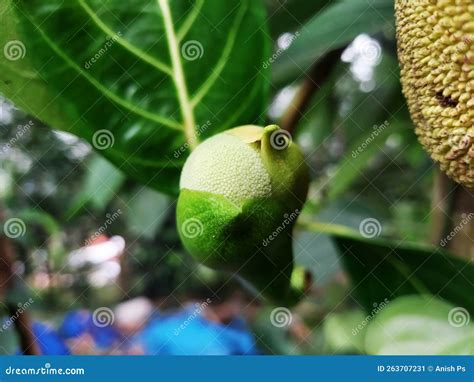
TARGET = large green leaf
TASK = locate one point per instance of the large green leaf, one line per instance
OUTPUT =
(332, 28)
(387, 268)
(420, 325)
(147, 77)
(382, 269)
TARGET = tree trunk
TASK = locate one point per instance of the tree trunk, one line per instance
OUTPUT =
(441, 206)
(23, 329)
(462, 232)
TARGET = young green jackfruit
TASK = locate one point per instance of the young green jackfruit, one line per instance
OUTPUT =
(240, 194)
(436, 54)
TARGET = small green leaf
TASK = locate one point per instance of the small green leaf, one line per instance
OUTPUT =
(367, 124)
(143, 220)
(42, 218)
(420, 325)
(290, 14)
(358, 158)
(101, 183)
(341, 334)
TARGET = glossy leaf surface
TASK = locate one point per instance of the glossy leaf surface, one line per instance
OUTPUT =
(142, 81)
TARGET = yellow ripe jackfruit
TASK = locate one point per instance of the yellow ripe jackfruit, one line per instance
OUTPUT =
(436, 53)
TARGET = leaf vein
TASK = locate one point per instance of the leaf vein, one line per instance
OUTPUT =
(224, 59)
(111, 95)
(189, 22)
(243, 106)
(123, 42)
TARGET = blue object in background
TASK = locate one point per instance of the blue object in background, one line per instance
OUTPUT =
(48, 340)
(78, 322)
(75, 323)
(188, 333)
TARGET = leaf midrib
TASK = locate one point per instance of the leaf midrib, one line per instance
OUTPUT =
(210, 81)
(178, 75)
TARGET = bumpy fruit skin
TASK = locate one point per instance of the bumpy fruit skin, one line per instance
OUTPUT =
(436, 54)
(237, 189)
